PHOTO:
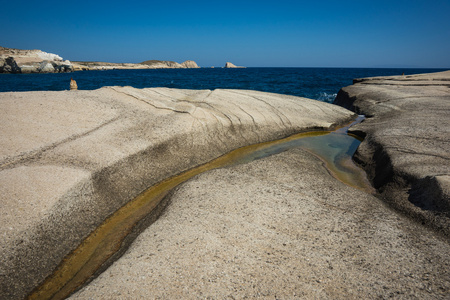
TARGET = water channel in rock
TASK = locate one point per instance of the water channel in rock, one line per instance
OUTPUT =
(335, 149)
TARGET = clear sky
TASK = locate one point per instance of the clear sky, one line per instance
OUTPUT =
(277, 33)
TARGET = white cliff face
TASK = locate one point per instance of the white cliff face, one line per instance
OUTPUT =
(32, 61)
(48, 56)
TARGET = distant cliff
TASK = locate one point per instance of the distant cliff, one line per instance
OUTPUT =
(97, 65)
(149, 64)
(32, 61)
(162, 64)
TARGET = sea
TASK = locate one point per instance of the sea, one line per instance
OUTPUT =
(315, 83)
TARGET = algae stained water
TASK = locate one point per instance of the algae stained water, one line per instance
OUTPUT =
(335, 149)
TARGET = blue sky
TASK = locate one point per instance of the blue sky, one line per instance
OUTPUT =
(275, 33)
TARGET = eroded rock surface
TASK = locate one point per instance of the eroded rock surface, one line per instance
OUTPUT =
(277, 228)
(70, 159)
(406, 149)
(283, 228)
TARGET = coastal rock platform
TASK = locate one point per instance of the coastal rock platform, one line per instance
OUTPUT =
(70, 159)
(407, 141)
(279, 227)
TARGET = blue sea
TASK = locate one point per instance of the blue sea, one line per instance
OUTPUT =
(315, 83)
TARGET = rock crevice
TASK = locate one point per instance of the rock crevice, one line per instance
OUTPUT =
(406, 142)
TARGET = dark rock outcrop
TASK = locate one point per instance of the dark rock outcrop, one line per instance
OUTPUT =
(407, 138)
(9, 65)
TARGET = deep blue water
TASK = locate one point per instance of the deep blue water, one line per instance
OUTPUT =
(315, 83)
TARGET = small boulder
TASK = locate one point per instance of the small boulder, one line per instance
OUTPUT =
(73, 84)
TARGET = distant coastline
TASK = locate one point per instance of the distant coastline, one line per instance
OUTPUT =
(17, 61)
(149, 64)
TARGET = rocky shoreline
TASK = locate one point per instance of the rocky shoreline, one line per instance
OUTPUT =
(150, 64)
(283, 228)
(407, 138)
(18, 61)
(32, 61)
(279, 227)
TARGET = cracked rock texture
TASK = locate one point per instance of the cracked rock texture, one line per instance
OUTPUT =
(69, 159)
(406, 149)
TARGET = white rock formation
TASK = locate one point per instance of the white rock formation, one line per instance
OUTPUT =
(190, 64)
